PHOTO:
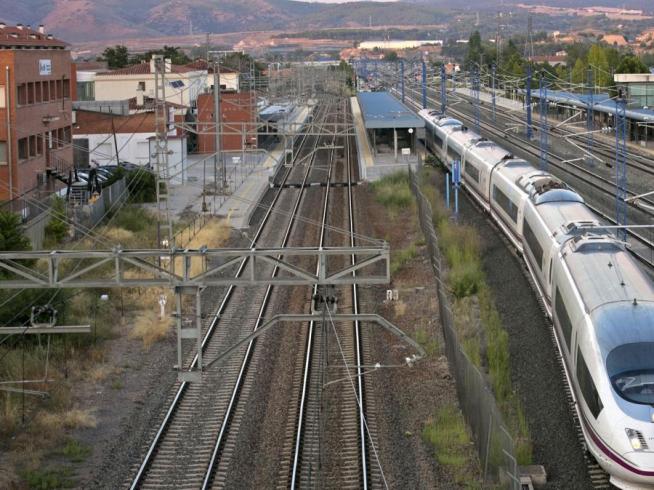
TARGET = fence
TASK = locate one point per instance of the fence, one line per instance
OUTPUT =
(494, 444)
(89, 214)
(184, 236)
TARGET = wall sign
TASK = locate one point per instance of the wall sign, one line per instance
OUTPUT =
(45, 67)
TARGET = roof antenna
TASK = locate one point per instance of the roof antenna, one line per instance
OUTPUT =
(635, 302)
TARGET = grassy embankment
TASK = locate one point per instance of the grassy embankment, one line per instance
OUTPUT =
(445, 430)
(38, 450)
(477, 321)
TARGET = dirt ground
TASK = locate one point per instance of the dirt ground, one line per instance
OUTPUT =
(408, 397)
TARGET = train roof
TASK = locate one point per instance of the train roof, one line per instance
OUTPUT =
(489, 151)
(605, 273)
(514, 168)
(561, 217)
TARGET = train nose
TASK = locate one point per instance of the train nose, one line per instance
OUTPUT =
(643, 460)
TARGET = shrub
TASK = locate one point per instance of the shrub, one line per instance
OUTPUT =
(402, 257)
(133, 218)
(57, 228)
(393, 191)
(449, 435)
(142, 186)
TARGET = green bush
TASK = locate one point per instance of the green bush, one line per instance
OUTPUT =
(402, 257)
(142, 186)
(49, 479)
(393, 191)
(75, 451)
(57, 228)
(12, 236)
(133, 218)
(449, 436)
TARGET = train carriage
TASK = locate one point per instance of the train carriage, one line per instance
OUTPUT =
(600, 301)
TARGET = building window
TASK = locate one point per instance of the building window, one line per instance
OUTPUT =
(85, 90)
(23, 151)
(3, 153)
(66, 89)
(38, 95)
(53, 90)
(141, 86)
(60, 88)
(22, 94)
(3, 97)
(30, 93)
(32, 146)
(39, 144)
(46, 91)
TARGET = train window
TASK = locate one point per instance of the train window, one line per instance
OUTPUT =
(505, 203)
(437, 140)
(587, 386)
(533, 244)
(631, 370)
(472, 171)
(563, 318)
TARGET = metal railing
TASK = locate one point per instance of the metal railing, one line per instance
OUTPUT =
(494, 444)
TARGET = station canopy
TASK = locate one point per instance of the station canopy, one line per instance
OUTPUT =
(383, 111)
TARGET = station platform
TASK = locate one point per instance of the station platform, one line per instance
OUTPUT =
(247, 180)
(386, 134)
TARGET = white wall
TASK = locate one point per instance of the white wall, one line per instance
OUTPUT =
(131, 148)
(121, 87)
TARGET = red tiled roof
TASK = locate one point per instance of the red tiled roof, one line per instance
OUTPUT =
(15, 37)
(144, 69)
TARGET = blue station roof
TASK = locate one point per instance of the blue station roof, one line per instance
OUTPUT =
(383, 111)
(601, 103)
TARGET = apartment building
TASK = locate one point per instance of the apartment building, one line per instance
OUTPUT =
(35, 109)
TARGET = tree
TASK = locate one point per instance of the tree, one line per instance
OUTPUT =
(631, 64)
(473, 55)
(116, 57)
(12, 236)
(599, 63)
(391, 56)
(579, 71)
(172, 53)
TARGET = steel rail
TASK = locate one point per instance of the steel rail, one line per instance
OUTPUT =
(136, 482)
(248, 355)
(309, 351)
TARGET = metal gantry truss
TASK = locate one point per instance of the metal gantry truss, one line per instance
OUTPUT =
(544, 129)
(188, 272)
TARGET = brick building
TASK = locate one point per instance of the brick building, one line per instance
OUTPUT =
(35, 109)
(235, 109)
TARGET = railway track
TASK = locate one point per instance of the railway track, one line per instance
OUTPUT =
(192, 439)
(329, 436)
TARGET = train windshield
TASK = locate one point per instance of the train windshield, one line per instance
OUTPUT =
(631, 369)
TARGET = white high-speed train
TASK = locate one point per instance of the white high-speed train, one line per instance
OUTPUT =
(600, 300)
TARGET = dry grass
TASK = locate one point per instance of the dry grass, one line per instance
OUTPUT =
(100, 372)
(399, 307)
(8, 476)
(214, 234)
(150, 328)
(52, 423)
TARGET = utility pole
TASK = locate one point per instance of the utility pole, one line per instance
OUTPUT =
(164, 222)
(475, 96)
(528, 102)
(621, 164)
(543, 124)
(494, 72)
(218, 160)
(402, 79)
(443, 89)
(424, 84)
(590, 116)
